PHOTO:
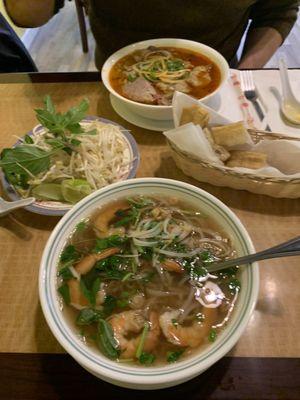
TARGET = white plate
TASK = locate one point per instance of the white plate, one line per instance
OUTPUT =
(220, 102)
(135, 119)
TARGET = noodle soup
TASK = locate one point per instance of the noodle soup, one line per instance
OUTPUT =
(151, 75)
(134, 281)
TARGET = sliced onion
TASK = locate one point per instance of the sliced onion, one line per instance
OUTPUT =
(75, 273)
(146, 233)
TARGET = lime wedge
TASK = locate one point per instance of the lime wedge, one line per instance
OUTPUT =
(48, 191)
(74, 190)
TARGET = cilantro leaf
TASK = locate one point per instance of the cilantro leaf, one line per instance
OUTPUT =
(146, 358)
(173, 356)
(69, 254)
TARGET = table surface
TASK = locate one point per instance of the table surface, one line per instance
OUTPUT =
(25, 337)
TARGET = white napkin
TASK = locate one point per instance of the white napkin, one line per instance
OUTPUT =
(191, 139)
(283, 156)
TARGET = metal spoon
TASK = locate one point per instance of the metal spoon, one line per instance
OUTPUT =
(286, 249)
(8, 206)
(290, 106)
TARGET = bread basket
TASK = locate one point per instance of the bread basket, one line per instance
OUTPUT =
(203, 171)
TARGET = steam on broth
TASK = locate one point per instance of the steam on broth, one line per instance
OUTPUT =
(152, 75)
(134, 283)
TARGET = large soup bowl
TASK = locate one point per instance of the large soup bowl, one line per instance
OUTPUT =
(159, 112)
(126, 375)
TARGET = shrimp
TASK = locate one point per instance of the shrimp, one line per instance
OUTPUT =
(129, 322)
(172, 266)
(101, 223)
(187, 336)
(87, 263)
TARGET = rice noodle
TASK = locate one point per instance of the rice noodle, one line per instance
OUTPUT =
(176, 254)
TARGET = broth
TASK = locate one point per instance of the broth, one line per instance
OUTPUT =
(152, 75)
(134, 281)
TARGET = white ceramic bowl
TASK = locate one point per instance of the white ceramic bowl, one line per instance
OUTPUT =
(147, 377)
(156, 111)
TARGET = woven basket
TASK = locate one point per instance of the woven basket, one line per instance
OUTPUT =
(219, 176)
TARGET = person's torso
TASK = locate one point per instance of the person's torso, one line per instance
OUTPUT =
(218, 23)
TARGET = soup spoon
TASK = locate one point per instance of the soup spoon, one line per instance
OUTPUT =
(290, 106)
(286, 249)
(8, 206)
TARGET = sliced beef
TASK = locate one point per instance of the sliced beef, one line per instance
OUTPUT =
(141, 91)
(200, 76)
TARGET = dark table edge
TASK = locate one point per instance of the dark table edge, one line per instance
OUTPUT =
(57, 376)
(52, 77)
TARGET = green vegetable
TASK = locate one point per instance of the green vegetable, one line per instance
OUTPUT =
(23, 162)
(60, 123)
(65, 293)
(86, 316)
(175, 65)
(48, 191)
(212, 335)
(28, 139)
(127, 216)
(174, 321)
(81, 226)
(146, 358)
(140, 347)
(106, 340)
(110, 268)
(173, 356)
(90, 294)
(65, 273)
(140, 202)
(234, 285)
(69, 254)
(207, 257)
(111, 241)
(74, 190)
(131, 78)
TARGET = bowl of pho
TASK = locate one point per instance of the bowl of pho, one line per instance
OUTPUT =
(145, 75)
(66, 157)
(125, 285)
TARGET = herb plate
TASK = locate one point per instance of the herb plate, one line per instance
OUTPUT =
(56, 208)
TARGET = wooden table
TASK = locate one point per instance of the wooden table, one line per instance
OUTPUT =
(264, 364)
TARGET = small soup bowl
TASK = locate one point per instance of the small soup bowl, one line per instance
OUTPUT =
(136, 377)
(159, 112)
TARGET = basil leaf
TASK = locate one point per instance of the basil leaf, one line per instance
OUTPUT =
(86, 292)
(95, 290)
(65, 273)
(65, 293)
(106, 340)
(25, 159)
(86, 316)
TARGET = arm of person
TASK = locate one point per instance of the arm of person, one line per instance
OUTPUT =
(261, 44)
(271, 23)
(30, 13)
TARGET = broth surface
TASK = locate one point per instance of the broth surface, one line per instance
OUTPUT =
(134, 282)
(152, 75)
